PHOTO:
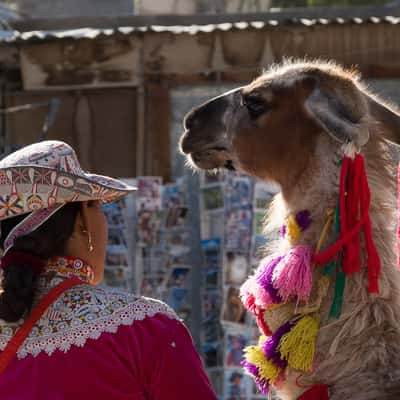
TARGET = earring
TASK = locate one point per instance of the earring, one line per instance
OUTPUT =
(90, 243)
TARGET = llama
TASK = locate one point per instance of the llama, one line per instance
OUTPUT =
(293, 125)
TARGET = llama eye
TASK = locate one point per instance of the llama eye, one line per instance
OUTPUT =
(255, 106)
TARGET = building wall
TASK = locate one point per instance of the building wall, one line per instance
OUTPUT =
(100, 124)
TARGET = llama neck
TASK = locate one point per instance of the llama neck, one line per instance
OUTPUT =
(365, 318)
(316, 191)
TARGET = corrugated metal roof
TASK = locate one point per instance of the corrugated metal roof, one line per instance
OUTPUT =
(93, 33)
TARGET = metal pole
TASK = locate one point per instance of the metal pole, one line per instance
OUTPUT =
(196, 254)
(140, 118)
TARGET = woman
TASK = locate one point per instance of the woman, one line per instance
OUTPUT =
(61, 337)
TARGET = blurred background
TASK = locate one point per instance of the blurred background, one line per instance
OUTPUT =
(114, 78)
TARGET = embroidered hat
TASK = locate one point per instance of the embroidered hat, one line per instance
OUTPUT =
(40, 178)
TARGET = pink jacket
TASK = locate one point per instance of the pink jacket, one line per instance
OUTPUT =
(95, 343)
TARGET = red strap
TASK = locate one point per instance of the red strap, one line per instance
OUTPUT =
(317, 392)
(22, 333)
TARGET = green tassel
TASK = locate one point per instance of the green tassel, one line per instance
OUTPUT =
(330, 268)
(337, 303)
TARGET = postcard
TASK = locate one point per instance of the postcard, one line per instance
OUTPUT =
(149, 225)
(239, 192)
(238, 227)
(176, 217)
(212, 224)
(212, 198)
(148, 196)
(236, 268)
(236, 384)
(233, 309)
(216, 376)
(178, 298)
(235, 342)
(212, 353)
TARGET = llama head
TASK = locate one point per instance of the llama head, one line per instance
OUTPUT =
(272, 127)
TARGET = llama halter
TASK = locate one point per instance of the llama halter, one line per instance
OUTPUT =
(288, 279)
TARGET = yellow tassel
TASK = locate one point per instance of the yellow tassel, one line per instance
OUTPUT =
(293, 229)
(266, 369)
(261, 340)
(298, 345)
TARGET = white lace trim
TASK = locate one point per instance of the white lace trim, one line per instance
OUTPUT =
(101, 311)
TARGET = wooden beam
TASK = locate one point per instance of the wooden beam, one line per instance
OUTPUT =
(381, 71)
(158, 131)
(232, 76)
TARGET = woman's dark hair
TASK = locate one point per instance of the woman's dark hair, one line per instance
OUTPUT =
(49, 240)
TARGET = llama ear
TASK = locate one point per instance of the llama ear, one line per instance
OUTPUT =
(388, 119)
(334, 118)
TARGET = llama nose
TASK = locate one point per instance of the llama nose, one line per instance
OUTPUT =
(186, 145)
(188, 122)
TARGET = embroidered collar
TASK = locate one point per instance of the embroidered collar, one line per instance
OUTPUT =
(83, 312)
(67, 267)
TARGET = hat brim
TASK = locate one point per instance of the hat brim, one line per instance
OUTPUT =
(29, 188)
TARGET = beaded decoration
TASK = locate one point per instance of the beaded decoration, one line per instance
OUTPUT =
(70, 266)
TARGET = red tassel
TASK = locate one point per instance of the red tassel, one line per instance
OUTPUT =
(344, 175)
(355, 199)
(351, 263)
(259, 313)
(373, 262)
(317, 392)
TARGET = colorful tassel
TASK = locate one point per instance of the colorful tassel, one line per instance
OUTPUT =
(247, 297)
(292, 277)
(260, 286)
(348, 234)
(253, 295)
(298, 345)
(258, 290)
(295, 225)
(293, 230)
(252, 370)
(259, 314)
(271, 343)
(257, 365)
(303, 219)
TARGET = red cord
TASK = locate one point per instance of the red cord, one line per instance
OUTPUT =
(22, 333)
(354, 199)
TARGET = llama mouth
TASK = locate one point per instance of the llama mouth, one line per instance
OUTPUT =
(229, 165)
(214, 158)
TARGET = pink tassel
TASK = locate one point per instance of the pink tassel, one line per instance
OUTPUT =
(252, 293)
(293, 276)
